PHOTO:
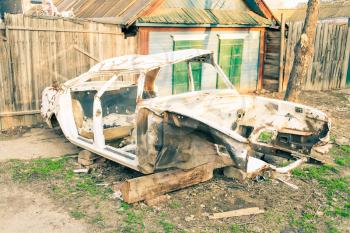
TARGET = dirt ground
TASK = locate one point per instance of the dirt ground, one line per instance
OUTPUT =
(33, 212)
(46, 196)
(34, 143)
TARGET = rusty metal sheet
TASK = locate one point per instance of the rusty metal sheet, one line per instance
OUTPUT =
(205, 16)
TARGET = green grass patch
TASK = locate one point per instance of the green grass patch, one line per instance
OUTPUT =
(124, 205)
(336, 189)
(331, 228)
(345, 149)
(303, 223)
(265, 136)
(77, 214)
(174, 204)
(37, 168)
(235, 228)
(341, 155)
(168, 227)
(133, 223)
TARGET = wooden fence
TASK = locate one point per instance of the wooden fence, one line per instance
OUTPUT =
(331, 55)
(35, 52)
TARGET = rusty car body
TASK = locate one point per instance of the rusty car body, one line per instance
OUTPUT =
(113, 110)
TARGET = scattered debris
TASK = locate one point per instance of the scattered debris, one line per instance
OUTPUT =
(236, 213)
(81, 170)
(323, 149)
(293, 186)
(287, 169)
(117, 195)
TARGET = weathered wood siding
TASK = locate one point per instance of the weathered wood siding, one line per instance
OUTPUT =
(271, 59)
(329, 66)
(35, 52)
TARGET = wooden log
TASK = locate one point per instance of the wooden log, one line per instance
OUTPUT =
(237, 213)
(150, 186)
(147, 187)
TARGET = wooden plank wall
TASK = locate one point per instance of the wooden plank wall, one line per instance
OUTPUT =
(331, 41)
(35, 52)
(271, 59)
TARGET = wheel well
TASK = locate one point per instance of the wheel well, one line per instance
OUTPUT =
(54, 121)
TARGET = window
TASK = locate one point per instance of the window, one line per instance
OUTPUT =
(230, 60)
(180, 71)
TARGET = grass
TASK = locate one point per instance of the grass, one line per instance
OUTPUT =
(174, 204)
(77, 214)
(168, 227)
(325, 175)
(235, 228)
(37, 169)
(341, 155)
(98, 220)
(265, 136)
(133, 222)
(335, 188)
(304, 223)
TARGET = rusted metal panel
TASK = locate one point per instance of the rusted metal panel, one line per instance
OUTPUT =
(124, 9)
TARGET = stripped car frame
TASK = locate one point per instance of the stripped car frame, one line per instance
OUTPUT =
(113, 111)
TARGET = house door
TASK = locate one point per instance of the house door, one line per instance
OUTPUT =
(180, 71)
(230, 60)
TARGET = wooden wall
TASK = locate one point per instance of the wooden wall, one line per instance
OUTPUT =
(35, 52)
(331, 52)
(271, 59)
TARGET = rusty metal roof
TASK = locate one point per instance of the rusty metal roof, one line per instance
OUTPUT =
(124, 11)
(205, 16)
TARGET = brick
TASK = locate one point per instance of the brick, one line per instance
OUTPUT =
(87, 155)
(85, 162)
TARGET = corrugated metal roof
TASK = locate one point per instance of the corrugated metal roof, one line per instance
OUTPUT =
(169, 11)
(205, 16)
(124, 10)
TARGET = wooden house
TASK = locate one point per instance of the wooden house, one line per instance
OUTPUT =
(234, 29)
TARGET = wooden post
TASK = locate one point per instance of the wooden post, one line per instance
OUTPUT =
(346, 59)
(282, 48)
(261, 59)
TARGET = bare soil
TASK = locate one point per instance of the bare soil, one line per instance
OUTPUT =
(27, 211)
(57, 199)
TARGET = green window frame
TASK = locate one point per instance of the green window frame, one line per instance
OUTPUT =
(230, 59)
(180, 83)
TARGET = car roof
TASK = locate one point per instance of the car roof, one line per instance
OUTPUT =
(145, 63)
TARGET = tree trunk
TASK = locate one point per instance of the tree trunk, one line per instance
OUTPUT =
(303, 52)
